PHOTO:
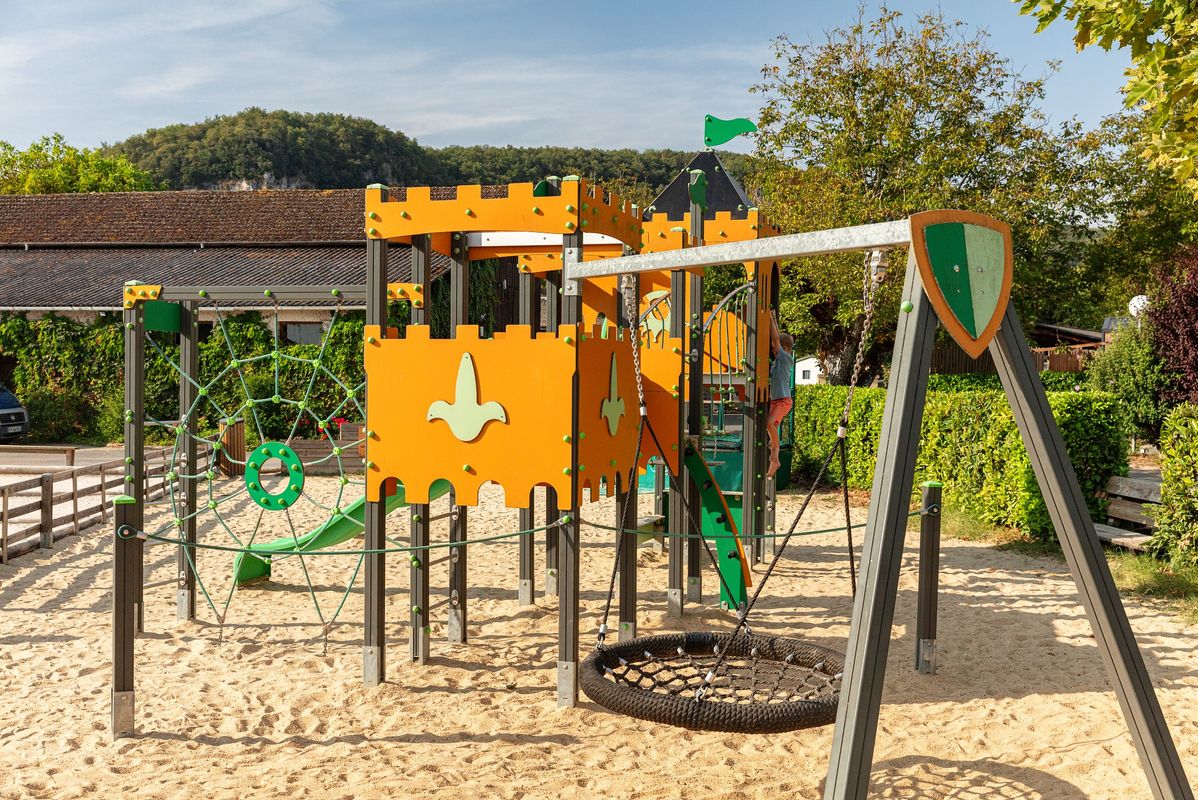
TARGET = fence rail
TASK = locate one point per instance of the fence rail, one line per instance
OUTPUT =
(39, 494)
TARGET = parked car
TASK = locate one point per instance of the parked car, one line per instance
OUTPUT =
(14, 419)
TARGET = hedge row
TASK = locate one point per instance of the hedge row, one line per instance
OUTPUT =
(988, 381)
(969, 442)
(1176, 535)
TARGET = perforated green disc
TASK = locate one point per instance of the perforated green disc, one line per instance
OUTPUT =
(295, 474)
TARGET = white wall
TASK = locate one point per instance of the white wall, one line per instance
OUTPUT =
(807, 371)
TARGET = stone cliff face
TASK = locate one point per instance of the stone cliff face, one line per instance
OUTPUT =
(265, 181)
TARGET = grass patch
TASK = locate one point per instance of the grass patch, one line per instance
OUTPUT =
(1146, 578)
(1137, 575)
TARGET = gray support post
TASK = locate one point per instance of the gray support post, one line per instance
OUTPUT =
(418, 583)
(459, 314)
(187, 558)
(929, 577)
(1083, 552)
(529, 314)
(553, 317)
(626, 519)
(570, 542)
(694, 413)
(678, 522)
(374, 641)
(126, 575)
(873, 607)
(455, 627)
(135, 441)
(753, 498)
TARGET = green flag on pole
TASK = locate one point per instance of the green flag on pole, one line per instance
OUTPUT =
(716, 131)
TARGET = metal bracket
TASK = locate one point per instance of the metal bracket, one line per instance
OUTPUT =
(122, 714)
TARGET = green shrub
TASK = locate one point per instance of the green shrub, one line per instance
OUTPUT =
(1129, 369)
(969, 441)
(1176, 534)
(60, 415)
(988, 381)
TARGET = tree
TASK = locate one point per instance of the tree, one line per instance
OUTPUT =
(883, 120)
(1129, 368)
(1162, 36)
(50, 166)
(257, 149)
(1173, 313)
(1147, 216)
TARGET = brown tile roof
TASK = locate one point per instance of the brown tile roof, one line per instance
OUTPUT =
(279, 215)
(91, 277)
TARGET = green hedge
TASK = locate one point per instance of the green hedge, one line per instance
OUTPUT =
(988, 381)
(969, 442)
(1176, 535)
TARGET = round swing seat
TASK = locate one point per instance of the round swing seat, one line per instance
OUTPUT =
(763, 684)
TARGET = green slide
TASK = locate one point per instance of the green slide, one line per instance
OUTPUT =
(720, 524)
(248, 567)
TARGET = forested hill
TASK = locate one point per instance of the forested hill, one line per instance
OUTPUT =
(257, 148)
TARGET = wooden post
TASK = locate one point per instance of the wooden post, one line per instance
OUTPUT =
(459, 315)
(1083, 552)
(873, 606)
(4, 529)
(374, 637)
(47, 511)
(929, 577)
(126, 579)
(418, 583)
(187, 557)
(570, 543)
(529, 314)
(553, 306)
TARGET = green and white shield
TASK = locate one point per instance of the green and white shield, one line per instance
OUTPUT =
(965, 262)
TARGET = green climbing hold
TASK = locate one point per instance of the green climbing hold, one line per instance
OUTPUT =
(269, 500)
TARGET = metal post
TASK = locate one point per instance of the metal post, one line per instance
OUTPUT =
(418, 574)
(626, 519)
(187, 558)
(675, 558)
(459, 314)
(751, 485)
(374, 636)
(873, 607)
(929, 577)
(135, 441)
(529, 314)
(553, 299)
(569, 546)
(126, 575)
(1083, 552)
(694, 412)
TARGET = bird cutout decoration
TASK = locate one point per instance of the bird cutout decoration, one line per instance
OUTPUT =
(612, 407)
(465, 416)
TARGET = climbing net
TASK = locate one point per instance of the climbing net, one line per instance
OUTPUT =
(267, 398)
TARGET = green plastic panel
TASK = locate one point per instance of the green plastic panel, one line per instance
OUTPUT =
(950, 266)
(987, 253)
(163, 316)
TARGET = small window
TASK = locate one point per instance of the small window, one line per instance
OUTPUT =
(302, 332)
(806, 374)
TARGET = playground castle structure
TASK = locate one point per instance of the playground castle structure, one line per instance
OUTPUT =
(574, 402)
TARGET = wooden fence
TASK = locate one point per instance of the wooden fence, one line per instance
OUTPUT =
(28, 516)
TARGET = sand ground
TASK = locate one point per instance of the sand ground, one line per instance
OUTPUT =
(268, 706)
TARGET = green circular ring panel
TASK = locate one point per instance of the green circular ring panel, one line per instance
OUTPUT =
(295, 472)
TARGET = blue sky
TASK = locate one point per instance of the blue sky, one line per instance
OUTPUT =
(605, 73)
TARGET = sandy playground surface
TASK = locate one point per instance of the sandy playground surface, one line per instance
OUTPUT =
(1020, 708)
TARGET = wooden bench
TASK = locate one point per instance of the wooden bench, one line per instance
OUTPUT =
(1126, 506)
(651, 528)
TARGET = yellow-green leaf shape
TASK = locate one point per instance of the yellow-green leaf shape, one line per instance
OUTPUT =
(465, 416)
(612, 407)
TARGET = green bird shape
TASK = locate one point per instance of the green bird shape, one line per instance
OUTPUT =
(465, 416)
(612, 407)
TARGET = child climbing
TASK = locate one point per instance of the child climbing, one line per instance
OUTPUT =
(781, 388)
